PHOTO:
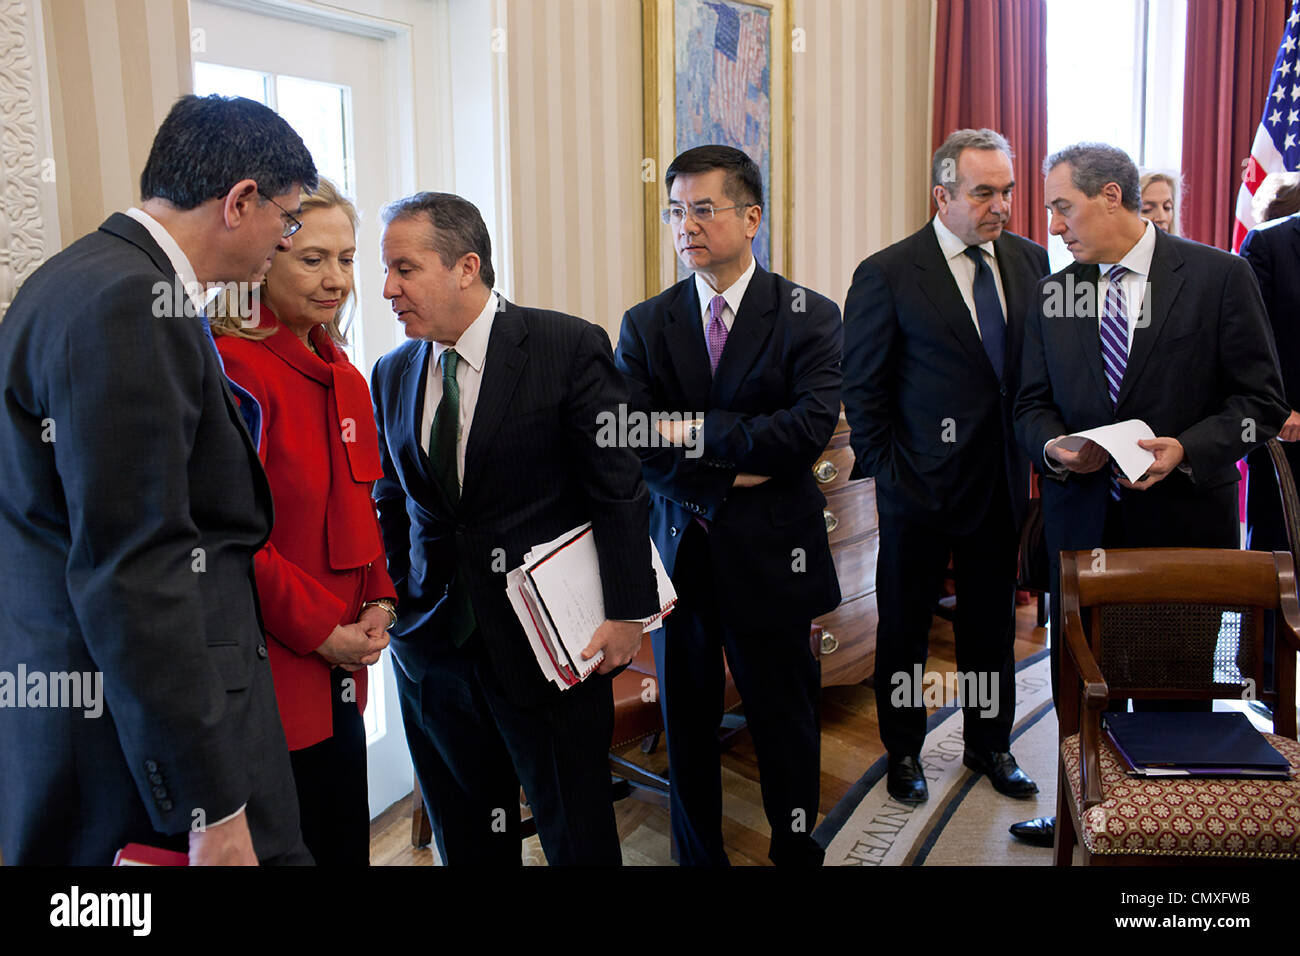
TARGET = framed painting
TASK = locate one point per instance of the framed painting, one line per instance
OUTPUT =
(717, 71)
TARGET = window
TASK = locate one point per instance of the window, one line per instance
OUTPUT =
(321, 113)
(1115, 75)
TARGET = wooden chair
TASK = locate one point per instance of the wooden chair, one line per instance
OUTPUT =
(1144, 624)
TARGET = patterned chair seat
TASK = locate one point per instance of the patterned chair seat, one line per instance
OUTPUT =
(1187, 816)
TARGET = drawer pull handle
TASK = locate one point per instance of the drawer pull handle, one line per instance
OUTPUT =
(832, 522)
(829, 644)
(825, 471)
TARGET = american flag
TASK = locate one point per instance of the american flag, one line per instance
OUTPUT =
(1276, 147)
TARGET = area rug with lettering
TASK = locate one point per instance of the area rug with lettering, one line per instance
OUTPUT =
(965, 820)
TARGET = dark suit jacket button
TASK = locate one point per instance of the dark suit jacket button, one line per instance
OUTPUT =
(155, 778)
(261, 651)
(151, 766)
(672, 532)
(1003, 391)
(160, 792)
(165, 804)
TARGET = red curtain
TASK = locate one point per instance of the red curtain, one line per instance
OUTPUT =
(990, 69)
(1231, 46)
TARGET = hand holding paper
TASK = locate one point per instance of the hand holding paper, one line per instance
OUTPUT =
(620, 640)
(1168, 454)
(1124, 441)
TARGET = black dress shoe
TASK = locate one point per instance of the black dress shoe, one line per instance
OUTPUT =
(1040, 831)
(906, 781)
(1007, 778)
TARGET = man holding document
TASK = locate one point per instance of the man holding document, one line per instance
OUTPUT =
(488, 430)
(1149, 327)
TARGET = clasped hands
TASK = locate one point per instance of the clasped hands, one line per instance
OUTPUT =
(675, 432)
(354, 646)
(1092, 457)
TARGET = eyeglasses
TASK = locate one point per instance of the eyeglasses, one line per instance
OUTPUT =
(291, 224)
(701, 211)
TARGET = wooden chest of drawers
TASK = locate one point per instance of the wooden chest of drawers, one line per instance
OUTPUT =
(848, 642)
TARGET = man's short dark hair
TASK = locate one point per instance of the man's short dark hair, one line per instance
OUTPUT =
(744, 183)
(208, 143)
(1093, 165)
(458, 228)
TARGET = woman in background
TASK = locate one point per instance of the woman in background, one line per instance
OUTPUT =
(1160, 201)
(327, 601)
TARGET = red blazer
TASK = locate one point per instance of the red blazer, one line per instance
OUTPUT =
(325, 556)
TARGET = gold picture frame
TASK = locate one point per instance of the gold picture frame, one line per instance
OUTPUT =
(663, 63)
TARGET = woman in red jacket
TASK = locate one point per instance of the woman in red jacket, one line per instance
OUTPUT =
(327, 601)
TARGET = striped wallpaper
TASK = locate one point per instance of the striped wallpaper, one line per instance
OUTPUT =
(573, 112)
(861, 127)
(116, 67)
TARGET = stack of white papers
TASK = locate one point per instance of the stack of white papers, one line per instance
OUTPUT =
(558, 599)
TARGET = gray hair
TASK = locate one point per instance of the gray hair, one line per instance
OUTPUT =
(458, 228)
(1093, 165)
(943, 168)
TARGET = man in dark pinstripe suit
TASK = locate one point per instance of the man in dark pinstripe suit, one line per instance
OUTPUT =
(488, 425)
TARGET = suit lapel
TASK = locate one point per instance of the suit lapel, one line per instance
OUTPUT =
(1016, 289)
(134, 232)
(1161, 289)
(505, 361)
(1086, 329)
(410, 404)
(937, 284)
(749, 332)
(687, 349)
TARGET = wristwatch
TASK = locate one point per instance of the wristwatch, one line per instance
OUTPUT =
(388, 605)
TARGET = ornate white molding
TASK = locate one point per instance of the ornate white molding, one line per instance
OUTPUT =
(22, 228)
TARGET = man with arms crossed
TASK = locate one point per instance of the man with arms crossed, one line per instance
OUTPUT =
(736, 512)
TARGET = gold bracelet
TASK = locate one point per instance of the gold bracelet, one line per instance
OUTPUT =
(387, 605)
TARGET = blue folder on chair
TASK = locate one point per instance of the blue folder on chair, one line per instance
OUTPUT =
(1221, 744)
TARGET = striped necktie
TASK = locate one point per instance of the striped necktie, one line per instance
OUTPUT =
(1114, 347)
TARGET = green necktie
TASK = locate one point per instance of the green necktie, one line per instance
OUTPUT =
(443, 440)
(446, 429)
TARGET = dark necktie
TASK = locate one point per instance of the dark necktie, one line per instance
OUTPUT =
(988, 310)
(446, 429)
(444, 436)
(1114, 347)
(250, 409)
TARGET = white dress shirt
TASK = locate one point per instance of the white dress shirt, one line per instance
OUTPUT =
(1138, 263)
(734, 293)
(472, 349)
(963, 269)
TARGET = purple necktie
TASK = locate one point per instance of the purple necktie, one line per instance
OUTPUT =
(717, 331)
(1114, 347)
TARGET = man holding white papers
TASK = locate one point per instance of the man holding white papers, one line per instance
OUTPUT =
(752, 363)
(488, 430)
(1145, 326)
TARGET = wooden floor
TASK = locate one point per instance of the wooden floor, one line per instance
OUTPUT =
(850, 744)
